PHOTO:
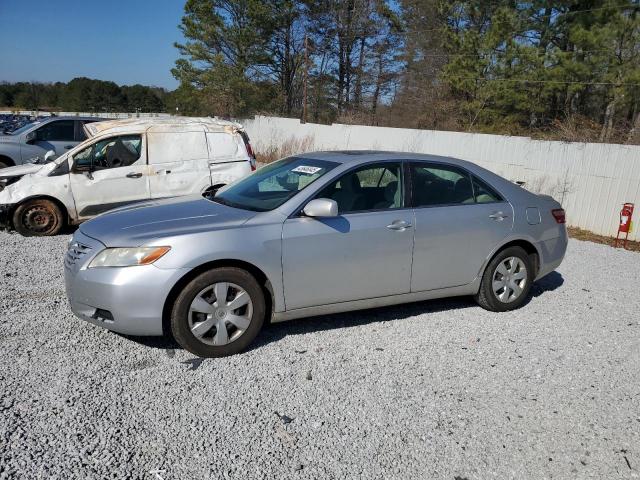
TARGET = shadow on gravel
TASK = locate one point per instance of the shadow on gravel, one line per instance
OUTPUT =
(547, 284)
(164, 343)
(274, 332)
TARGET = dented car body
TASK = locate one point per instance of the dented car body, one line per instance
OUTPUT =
(122, 162)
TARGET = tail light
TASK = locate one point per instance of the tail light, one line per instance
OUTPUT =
(250, 150)
(559, 215)
(252, 156)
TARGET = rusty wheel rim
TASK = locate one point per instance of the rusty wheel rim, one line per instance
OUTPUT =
(39, 219)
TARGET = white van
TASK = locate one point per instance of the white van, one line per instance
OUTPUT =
(121, 162)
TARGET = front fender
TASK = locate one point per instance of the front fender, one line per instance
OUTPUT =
(258, 245)
(34, 186)
(10, 151)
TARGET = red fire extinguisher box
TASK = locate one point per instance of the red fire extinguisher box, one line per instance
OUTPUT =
(625, 225)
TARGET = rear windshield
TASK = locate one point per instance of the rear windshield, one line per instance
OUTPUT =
(271, 186)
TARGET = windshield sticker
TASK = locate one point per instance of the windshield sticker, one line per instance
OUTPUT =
(306, 169)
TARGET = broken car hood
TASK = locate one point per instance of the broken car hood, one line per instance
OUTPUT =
(19, 170)
(140, 223)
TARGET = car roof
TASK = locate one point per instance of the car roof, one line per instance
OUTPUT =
(164, 124)
(362, 156)
(68, 117)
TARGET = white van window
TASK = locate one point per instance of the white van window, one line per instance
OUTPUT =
(112, 152)
(167, 147)
(224, 146)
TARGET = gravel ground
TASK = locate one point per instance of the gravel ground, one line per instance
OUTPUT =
(439, 389)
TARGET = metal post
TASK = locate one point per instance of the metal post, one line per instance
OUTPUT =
(306, 76)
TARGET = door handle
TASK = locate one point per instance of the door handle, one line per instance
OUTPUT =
(498, 216)
(166, 172)
(68, 147)
(399, 225)
(134, 175)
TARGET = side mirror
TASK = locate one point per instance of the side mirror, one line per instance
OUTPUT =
(50, 155)
(321, 207)
(30, 137)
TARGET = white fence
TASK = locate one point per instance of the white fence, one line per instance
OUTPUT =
(591, 180)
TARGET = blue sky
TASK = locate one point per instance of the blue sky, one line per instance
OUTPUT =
(125, 41)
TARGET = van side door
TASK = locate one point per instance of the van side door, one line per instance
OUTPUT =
(178, 162)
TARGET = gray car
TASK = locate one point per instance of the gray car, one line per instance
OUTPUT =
(29, 143)
(308, 235)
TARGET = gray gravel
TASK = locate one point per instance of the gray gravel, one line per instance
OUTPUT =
(437, 389)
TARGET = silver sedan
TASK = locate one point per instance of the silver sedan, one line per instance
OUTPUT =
(309, 235)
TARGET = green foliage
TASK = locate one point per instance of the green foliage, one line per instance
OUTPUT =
(226, 45)
(525, 65)
(82, 95)
(565, 69)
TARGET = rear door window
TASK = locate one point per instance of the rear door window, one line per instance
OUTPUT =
(57, 131)
(438, 184)
(435, 184)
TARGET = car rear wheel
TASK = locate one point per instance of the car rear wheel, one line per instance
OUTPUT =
(38, 218)
(507, 281)
(4, 164)
(218, 313)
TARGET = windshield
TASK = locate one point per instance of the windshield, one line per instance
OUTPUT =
(271, 186)
(23, 128)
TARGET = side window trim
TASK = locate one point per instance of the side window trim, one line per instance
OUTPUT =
(493, 191)
(411, 163)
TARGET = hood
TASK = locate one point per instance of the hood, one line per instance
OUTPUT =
(20, 170)
(140, 223)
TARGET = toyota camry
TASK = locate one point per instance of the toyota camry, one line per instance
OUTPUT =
(309, 235)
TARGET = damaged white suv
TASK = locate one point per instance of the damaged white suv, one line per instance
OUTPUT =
(121, 162)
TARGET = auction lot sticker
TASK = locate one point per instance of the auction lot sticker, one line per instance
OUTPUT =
(306, 169)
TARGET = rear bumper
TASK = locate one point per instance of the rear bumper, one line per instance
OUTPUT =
(552, 253)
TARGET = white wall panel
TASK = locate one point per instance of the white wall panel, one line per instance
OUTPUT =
(592, 180)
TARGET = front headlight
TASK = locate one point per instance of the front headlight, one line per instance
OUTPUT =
(128, 257)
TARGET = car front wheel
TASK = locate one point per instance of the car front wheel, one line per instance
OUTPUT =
(507, 281)
(218, 313)
(38, 218)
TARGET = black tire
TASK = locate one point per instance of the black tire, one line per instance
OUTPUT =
(4, 164)
(38, 218)
(487, 298)
(180, 312)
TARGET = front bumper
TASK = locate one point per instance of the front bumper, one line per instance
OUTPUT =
(5, 220)
(126, 300)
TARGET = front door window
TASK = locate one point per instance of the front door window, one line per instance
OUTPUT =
(113, 152)
(370, 188)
